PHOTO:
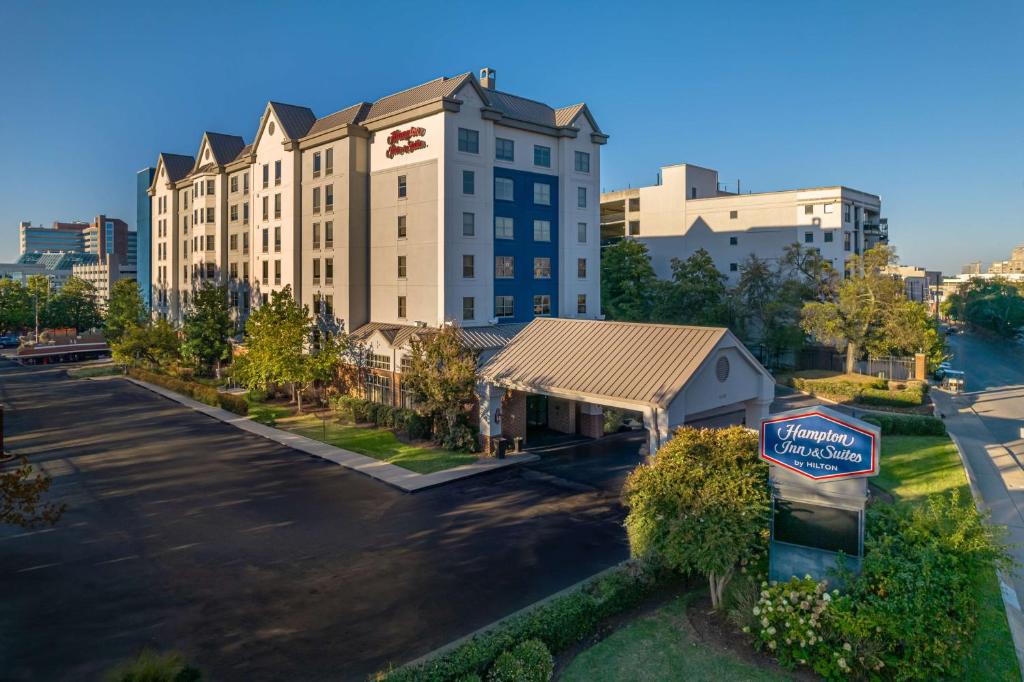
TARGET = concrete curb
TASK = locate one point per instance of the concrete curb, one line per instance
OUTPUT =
(395, 476)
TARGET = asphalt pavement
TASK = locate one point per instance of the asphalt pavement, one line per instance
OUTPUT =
(256, 561)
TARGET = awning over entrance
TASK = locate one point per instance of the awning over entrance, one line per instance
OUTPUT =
(663, 371)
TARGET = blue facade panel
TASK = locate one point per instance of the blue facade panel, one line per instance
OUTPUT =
(523, 247)
(143, 179)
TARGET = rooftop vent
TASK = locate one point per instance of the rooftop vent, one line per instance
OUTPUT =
(488, 78)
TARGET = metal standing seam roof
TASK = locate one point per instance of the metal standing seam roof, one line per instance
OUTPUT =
(346, 116)
(295, 120)
(225, 148)
(477, 338)
(427, 92)
(634, 362)
(177, 165)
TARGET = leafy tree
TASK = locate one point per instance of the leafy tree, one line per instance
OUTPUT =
(700, 505)
(441, 378)
(696, 294)
(628, 282)
(15, 306)
(74, 306)
(149, 344)
(207, 326)
(21, 491)
(125, 309)
(811, 272)
(996, 305)
(40, 291)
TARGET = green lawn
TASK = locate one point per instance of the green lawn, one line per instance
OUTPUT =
(914, 467)
(659, 647)
(380, 444)
(266, 413)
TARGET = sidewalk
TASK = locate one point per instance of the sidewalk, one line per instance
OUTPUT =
(395, 476)
(997, 482)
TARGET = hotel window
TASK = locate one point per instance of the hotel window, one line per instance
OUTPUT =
(504, 150)
(233, 299)
(209, 242)
(277, 172)
(245, 213)
(581, 233)
(468, 266)
(541, 156)
(209, 215)
(316, 235)
(504, 306)
(808, 237)
(401, 267)
(245, 182)
(328, 308)
(734, 267)
(233, 242)
(234, 212)
(316, 271)
(234, 184)
(541, 230)
(403, 230)
(634, 204)
(245, 242)
(245, 271)
(377, 361)
(542, 268)
(233, 269)
(316, 164)
(504, 267)
(733, 215)
(542, 193)
(503, 228)
(378, 388)
(316, 200)
(468, 308)
(266, 208)
(504, 189)
(329, 234)
(266, 269)
(542, 304)
(468, 224)
(277, 206)
(328, 271)
(402, 189)
(266, 175)
(693, 192)
(734, 241)
(329, 197)
(581, 268)
(846, 241)
(328, 161)
(266, 240)
(634, 227)
(468, 182)
(210, 271)
(277, 239)
(581, 304)
(401, 307)
(277, 272)
(583, 162)
(581, 197)
(469, 141)
(829, 236)
(846, 213)
(209, 186)
(809, 209)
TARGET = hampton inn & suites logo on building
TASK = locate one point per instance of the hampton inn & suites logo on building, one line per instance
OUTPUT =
(820, 445)
(406, 141)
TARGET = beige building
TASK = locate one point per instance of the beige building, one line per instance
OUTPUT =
(689, 209)
(1008, 267)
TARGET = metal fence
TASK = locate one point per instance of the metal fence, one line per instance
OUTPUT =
(893, 369)
(828, 358)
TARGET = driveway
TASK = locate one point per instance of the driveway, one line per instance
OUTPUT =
(600, 464)
(258, 562)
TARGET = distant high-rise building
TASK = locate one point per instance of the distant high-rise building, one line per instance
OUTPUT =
(62, 237)
(143, 228)
(973, 268)
(1007, 267)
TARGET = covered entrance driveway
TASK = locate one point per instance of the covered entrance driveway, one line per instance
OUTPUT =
(573, 371)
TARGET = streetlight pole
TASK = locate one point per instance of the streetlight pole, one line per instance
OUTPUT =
(35, 297)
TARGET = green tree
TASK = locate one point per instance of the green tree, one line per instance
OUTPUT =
(207, 326)
(701, 505)
(811, 274)
(155, 344)
(15, 306)
(696, 294)
(996, 305)
(40, 291)
(74, 306)
(628, 282)
(125, 309)
(441, 378)
(21, 492)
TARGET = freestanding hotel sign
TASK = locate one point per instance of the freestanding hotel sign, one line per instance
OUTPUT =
(820, 460)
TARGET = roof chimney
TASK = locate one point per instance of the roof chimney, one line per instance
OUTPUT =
(488, 78)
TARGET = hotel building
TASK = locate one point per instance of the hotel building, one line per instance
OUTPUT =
(450, 201)
(689, 209)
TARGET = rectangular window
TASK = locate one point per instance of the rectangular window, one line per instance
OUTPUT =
(504, 267)
(581, 268)
(234, 184)
(245, 213)
(733, 215)
(277, 272)
(542, 304)
(377, 361)
(328, 271)
(469, 141)
(329, 234)
(266, 208)
(402, 312)
(733, 241)
(734, 267)
(541, 156)
(209, 215)
(329, 197)
(503, 228)
(277, 206)
(316, 271)
(234, 212)
(402, 189)
(266, 240)
(830, 208)
(542, 268)
(277, 239)
(316, 200)
(245, 242)
(209, 242)
(634, 204)
(245, 182)
(808, 237)
(504, 150)
(277, 172)
(504, 189)
(846, 241)
(209, 186)
(582, 162)
(266, 269)
(401, 267)
(316, 164)
(468, 224)
(634, 227)
(316, 235)
(542, 193)
(581, 233)
(829, 237)
(468, 308)
(468, 266)
(245, 271)
(581, 197)
(504, 306)
(233, 269)
(468, 182)
(541, 230)
(266, 175)
(402, 229)
(210, 271)
(809, 209)
(693, 192)
(581, 304)
(329, 161)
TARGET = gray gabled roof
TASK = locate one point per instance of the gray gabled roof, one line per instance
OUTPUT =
(225, 148)
(177, 165)
(477, 338)
(295, 120)
(352, 114)
(647, 364)
(521, 108)
(438, 88)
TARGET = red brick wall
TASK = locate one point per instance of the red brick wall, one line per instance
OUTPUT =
(592, 425)
(561, 415)
(513, 415)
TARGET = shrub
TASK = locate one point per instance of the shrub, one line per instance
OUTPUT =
(907, 425)
(461, 438)
(876, 392)
(417, 426)
(909, 397)
(204, 394)
(529, 661)
(153, 667)
(234, 403)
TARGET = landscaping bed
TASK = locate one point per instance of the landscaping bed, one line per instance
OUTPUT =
(204, 394)
(859, 389)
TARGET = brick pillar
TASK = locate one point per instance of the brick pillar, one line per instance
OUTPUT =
(591, 420)
(513, 415)
(561, 415)
(920, 367)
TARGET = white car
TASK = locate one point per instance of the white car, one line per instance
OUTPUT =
(632, 424)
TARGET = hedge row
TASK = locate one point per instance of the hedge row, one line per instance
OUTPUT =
(360, 411)
(907, 425)
(875, 392)
(559, 623)
(204, 394)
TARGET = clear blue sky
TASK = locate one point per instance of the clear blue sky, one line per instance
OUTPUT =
(921, 103)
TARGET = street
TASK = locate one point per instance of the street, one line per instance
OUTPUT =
(255, 561)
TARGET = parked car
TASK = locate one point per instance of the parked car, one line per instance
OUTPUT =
(941, 370)
(631, 424)
(954, 381)
(9, 342)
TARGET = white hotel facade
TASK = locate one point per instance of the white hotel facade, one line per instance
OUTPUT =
(450, 201)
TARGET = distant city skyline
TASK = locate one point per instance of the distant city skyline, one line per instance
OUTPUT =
(867, 96)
